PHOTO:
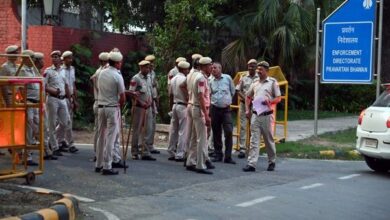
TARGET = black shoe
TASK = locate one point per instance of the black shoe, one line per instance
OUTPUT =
(241, 155)
(73, 149)
(191, 168)
(98, 169)
(229, 160)
(179, 160)
(271, 167)
(209, 165)
(64, 149)
(119, 164)
(217, 159)
(171, 158)
(57, 153)
(203, 171)
(148, 158)
(50, 157)
(135, 157)
(32, 163)
(110, 172)
(63, 144)
(155, 152)
(211, 154)
(248, 168)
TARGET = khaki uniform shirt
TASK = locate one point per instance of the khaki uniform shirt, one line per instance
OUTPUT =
(54, 79)
(8, 69)
(111, 85)
(32, 88)
(172, 73)
(142, 84)
(245, 82)
(190, 82)
(200, 85)
(69, 74)
(269, 89)
(178, 95)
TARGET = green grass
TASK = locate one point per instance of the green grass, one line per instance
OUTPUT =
(342, 143)
(294, 115)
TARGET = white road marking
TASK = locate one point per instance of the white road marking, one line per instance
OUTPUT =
(312, 186)
(348, 177)
(39, 189)
(255, 201)
(109, 215)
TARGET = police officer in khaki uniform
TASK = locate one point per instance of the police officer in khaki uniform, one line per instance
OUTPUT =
(111, 97)
(267, 89)
(242, 88)
(65, 136)
(9, 68)
(33, 97)
(152, 74)
(57, 109)
(172, 73)
(103, 59)
(141, 92)
(200, 103)
(178, 127)
(39, 64)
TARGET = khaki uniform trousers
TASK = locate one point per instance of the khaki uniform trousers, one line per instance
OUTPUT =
(116, 150)
(140, 134)
(178, 131)
(198, 146)
(151, 120)
(56, 109)
(261, 125)
(66, 133)
(108, 118)
(243, 121)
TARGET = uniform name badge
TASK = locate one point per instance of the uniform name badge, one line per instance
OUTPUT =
(259, 107)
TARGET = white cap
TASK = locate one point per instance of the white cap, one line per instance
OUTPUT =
(252, 61)
(205, 60)
(196, 56)
(150, 58)
(11, 49)
(55, 52)
(184, 65)
(38, 55)
(180, 59)
(115, 56)
(67, 54)
(28, 53)
(143, 63)
(103, 56)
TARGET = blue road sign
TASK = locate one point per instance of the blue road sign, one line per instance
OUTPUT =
(348, 43)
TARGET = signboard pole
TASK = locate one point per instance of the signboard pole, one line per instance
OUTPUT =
(379, 50)
(317, 73)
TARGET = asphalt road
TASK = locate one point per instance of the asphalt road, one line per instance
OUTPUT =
(298, 189)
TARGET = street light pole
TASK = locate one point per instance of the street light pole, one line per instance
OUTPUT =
(24, 26)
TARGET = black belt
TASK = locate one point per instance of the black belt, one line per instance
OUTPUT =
(181, 103)
(219, 108)
(107, 106)
(33, 100)
(264, 113)
(59, 96)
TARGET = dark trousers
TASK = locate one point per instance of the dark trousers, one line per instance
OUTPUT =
(221, 118)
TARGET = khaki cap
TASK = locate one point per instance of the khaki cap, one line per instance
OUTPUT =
(115, 56)
(11, 49)
(103, 56)
(55, 52)
(180, 59)
(38, 55)
(67, 54)
(263, 64)
(205, 60)
(252, 61)
(184, 65)
(196, 56)
(28, 53)
(150, 58)
(143, 63)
